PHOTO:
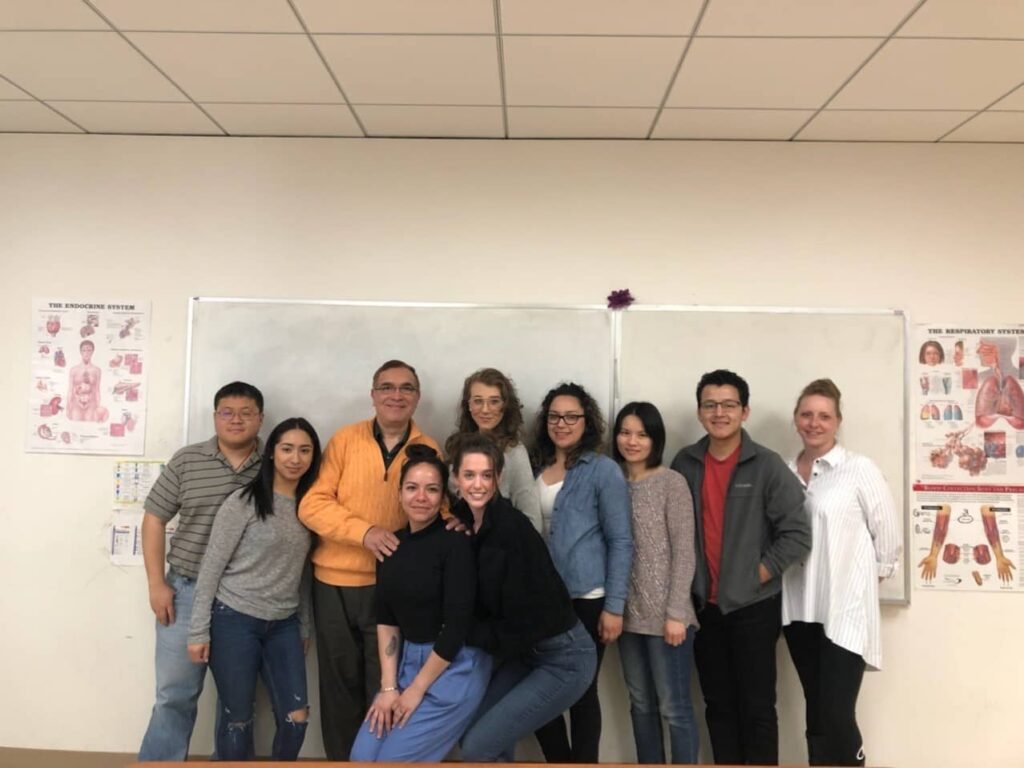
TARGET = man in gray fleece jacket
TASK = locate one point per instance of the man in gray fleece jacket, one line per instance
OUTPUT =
(750, 527)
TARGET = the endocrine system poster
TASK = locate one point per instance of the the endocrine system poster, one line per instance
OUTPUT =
(88, 377)
(968, 407)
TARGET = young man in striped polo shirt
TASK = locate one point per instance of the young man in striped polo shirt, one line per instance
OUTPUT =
(192, 486)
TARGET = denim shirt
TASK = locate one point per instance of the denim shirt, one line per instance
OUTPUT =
(591, 539)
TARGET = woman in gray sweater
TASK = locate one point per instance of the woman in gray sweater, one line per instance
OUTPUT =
(656, 645)
(251, 608)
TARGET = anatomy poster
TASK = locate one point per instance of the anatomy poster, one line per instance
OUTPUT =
(968, 407)
(88, 377)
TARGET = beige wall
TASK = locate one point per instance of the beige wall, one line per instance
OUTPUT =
(932, 230)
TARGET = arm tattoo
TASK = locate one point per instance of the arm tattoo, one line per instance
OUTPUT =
(392, 646)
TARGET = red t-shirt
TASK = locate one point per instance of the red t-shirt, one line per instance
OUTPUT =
(717, 475)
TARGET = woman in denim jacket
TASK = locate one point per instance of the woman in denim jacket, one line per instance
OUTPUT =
(586, 514)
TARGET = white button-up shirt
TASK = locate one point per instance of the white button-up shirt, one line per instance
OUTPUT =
(856, 540)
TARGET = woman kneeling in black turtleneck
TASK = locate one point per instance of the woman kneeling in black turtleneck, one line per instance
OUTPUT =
(431, 681)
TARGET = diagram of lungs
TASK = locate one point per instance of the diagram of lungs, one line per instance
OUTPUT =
(999, 397)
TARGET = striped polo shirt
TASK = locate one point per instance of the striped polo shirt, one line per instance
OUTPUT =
(193, 485)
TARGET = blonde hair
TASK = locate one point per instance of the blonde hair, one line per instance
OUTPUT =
(824, 388)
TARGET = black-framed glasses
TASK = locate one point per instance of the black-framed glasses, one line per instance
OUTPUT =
(570, 419)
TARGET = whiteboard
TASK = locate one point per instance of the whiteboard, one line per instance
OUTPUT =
(665, 350)
(316, 359)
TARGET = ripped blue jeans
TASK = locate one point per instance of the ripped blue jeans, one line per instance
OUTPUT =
(242, 648)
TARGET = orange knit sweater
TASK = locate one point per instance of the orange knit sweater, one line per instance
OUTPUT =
(352, 493)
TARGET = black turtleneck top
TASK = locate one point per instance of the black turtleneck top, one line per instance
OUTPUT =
(427, 587)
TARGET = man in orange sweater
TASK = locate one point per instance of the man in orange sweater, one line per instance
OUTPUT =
(353, 508)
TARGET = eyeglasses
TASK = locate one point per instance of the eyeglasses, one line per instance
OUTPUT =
(478, 403)
(390, 389)
(570, 419)
(245, 414)
(728, 406)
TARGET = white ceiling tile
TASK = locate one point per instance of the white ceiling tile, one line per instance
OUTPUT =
(222, 67)
(935, 74)
(81, 65)
(432, 122)
(992, 126)
(31, 117)
(201, 15)
(285, 119)
(967, 18)
(8, 91)
(1014, 101)
(774, 124)
(137, 117)
(404, 69)
(599, 17)
(746, 72)
(48, 14)
(845, 125)
(398, 16)
(804, 17)
(579, 123)
(589, 71)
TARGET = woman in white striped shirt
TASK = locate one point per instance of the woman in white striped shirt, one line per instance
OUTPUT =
(830, 609)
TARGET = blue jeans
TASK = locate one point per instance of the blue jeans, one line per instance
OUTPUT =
(582, 742)
(442, 716)
(178, 681)
(527, 692)
(658, 678)
(241, 648)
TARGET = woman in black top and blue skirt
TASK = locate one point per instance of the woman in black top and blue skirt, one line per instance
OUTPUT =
(523, 613)
(431, 683)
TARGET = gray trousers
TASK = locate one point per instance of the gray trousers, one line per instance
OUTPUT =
(346, 644)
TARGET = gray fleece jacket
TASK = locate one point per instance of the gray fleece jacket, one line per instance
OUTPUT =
(765, 522)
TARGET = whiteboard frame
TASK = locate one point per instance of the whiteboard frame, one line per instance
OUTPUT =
(615, 342)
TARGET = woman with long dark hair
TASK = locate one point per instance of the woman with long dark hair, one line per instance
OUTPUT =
(490, 406)
(252, 597)
(586, 513)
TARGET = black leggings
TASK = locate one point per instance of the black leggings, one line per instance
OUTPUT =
(830, 677)
(585, 714)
